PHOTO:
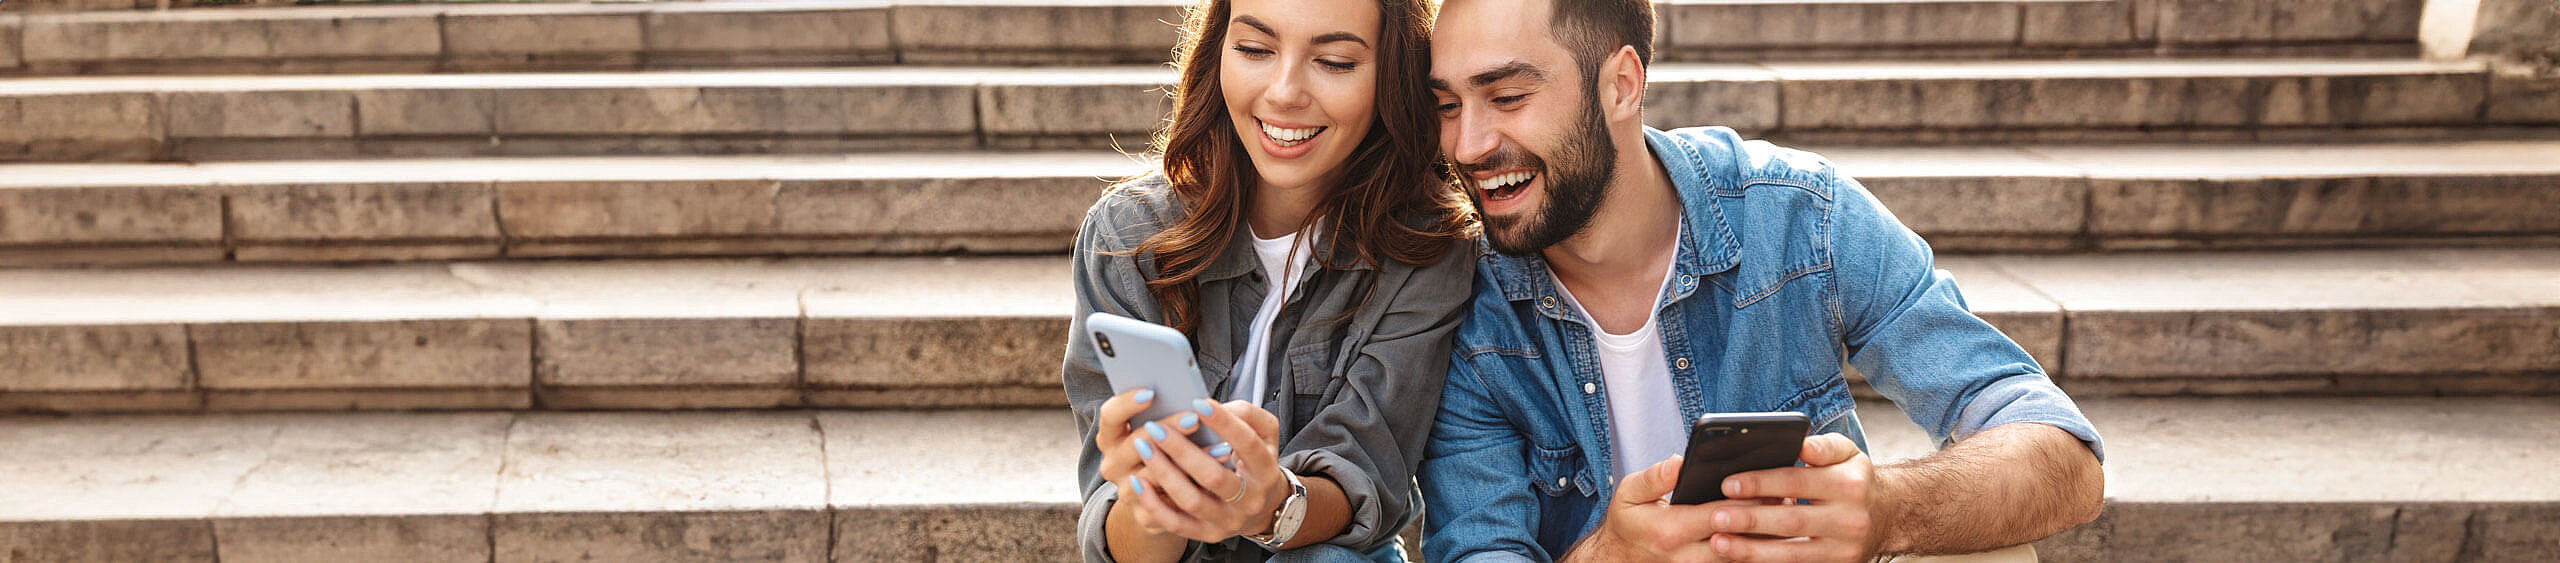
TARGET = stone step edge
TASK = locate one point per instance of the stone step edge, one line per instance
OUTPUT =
(482, 37)
(872, 110)
(989, 333)
(1011, 485)
(1964, 199)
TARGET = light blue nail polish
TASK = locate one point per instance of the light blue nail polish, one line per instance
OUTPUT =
(1155, 430)
(1204, 406)
(1136, 485)
(1144, 395)
(1146, 451)
(1220, 450)
(1188, 420)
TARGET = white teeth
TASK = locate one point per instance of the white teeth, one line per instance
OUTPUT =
(1506, 186)
(1290, 137)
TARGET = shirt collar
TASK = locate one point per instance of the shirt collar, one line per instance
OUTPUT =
(1238, 259)
(1707, 246)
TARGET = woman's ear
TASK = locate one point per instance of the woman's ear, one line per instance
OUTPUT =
(1622, 85)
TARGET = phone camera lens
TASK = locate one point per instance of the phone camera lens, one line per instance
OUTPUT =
(1104, 342)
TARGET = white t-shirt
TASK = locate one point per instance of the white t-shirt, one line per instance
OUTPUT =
(1644, 409)
(1282, 259)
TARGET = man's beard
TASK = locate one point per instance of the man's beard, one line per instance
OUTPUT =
(1574, 188)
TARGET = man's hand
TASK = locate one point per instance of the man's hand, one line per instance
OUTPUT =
(1642, 526)
(1842, 523)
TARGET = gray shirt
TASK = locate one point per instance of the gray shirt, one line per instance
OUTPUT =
(1355, 372)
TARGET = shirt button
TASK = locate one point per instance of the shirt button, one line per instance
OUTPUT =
(1682, 363)
(1562, 481)
(1589, 388)
(1549, 302)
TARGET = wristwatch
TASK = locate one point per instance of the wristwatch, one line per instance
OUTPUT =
(1285, 521)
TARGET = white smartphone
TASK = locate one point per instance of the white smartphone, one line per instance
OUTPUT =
(1137, 354)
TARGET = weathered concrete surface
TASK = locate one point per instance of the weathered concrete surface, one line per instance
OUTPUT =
(84, 41)
(466, 353)
(2119, 94)
(662, 486)
(1004, 490)
(2410, 312)
(2518, 30)
(393, 214)
(2305, 479)
(2208, 22)
(93, 358)
(1130, 31)
(752, 360)
(123, 216)
(775, 32)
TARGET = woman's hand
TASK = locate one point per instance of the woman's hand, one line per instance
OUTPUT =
(1121, 451)
(1191, 492)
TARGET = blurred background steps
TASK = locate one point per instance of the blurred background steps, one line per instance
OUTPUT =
(908, 108)
(1964, 199)
(984, 331)
(2192, 479)
(402, 37)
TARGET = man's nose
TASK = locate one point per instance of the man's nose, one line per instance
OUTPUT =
(1474, 136)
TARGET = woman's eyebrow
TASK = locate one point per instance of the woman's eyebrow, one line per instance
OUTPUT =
(1340, 36)
(1256, 24)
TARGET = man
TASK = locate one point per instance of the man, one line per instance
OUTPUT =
(1645, 277)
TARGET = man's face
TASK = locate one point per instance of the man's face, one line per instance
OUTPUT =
(1520, 122)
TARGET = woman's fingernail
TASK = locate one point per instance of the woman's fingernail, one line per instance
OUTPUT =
(1136, 485)
(1154, 430)
(1204, 406)
(1220, 450)
(1146, 451)
(1189, 420)
(1144, 395)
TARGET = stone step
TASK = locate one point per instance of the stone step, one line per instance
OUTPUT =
(970, 485)
(2306, 479)
(2290, 479)
(630, 36)
(987, 331)
(940, 108)
(1964, 199)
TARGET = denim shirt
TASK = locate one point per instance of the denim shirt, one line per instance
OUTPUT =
(1788, 271)
(1358, 355)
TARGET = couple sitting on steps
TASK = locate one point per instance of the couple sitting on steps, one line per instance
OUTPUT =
(1439, 261)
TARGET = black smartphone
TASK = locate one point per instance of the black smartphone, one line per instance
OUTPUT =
(1721, 445)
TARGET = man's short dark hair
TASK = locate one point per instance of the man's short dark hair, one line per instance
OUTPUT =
(1595, 29)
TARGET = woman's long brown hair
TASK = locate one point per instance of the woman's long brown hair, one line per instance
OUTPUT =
(1394, 202)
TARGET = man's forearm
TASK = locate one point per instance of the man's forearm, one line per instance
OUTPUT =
(2005, 486)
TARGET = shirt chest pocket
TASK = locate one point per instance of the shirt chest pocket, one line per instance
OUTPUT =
(1559, 471)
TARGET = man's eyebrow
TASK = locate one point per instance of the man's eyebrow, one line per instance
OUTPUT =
(1256, 24)
(1340, 36)
(1507, 71)
(1513, 69)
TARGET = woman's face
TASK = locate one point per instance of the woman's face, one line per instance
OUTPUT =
(1300, 78)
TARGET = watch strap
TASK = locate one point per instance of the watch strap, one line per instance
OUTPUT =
(1286, 517)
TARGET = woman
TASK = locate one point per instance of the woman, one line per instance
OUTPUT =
(1299, 234)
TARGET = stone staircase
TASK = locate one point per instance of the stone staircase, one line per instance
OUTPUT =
(785, 281)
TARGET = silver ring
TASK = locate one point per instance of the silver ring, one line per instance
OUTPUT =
(1241, 485)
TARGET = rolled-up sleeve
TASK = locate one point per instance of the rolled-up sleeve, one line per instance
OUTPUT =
(1908, 329)
(1369, 438)
(1107, 279)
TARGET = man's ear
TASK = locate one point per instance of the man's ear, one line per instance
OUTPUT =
(1622, 85)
